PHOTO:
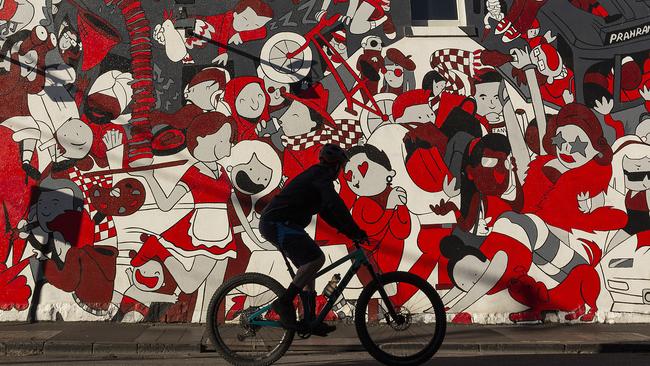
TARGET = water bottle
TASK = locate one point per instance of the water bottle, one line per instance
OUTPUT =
(331, 285)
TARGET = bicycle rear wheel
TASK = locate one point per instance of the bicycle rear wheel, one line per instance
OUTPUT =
(238, 341)
(421, 325)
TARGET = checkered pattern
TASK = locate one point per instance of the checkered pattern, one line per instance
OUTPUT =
(106, 228)
(450, 62)
(346, 135)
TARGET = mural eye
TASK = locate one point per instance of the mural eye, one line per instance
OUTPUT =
(489, 162)
(41, 33)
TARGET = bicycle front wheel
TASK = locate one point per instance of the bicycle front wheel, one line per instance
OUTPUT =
(239, 341)
(415, 334)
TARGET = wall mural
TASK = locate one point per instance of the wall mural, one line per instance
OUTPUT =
(508, 165)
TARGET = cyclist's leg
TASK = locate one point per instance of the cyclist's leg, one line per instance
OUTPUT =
(304, 253)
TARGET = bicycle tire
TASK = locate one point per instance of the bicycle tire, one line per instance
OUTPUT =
(215, 336)
(362, 326)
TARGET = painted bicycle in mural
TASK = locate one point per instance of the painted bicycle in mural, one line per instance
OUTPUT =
(399, 317)
(290, 60)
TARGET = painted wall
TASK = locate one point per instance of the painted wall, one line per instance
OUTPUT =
(505, 161)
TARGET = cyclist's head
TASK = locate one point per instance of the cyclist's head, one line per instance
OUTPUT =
(333, 155)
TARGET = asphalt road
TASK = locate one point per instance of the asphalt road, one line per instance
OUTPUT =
(356, 359)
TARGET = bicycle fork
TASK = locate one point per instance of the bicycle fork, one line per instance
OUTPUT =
(384, 296)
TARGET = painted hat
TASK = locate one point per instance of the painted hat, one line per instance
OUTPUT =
(397, 57)
(315, 98)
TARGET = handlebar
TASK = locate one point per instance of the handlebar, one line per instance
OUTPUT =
(309, 36)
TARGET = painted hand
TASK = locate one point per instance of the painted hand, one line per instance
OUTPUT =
(112, 139)
(397, 197)
(521, 58)
(236, 39)
(604, 106)
(645, 93)
(449, 187)
(222, 59)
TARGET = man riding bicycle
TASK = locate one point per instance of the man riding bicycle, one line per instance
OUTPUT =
(283, 224)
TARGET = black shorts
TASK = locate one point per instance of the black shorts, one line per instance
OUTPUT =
(291, 239)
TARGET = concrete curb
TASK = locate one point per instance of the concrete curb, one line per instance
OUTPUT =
(30, 348)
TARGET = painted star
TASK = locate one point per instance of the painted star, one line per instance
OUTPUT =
(578, 146)
(558, 140)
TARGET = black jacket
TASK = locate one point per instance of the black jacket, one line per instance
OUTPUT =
(312, 192)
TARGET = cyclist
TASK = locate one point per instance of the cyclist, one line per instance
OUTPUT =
(284, 220)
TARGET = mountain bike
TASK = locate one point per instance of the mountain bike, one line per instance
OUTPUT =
(246, 332)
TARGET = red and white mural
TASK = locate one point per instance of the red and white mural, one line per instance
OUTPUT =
(505, 158)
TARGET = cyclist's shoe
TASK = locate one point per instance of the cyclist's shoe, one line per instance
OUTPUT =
(322, 329)
(286, 312)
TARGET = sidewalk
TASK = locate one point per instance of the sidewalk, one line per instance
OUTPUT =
(115, 338)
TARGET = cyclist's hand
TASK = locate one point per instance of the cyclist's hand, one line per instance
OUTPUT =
(361, 238)
(320, 15)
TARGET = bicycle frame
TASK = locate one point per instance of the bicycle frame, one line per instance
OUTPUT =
(359, 259)
(314, 36)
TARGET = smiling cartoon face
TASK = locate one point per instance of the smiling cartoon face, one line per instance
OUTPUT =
(52, 203)
(573, 147)
(637, 173)
(248, 20)
(75, 138)
(252, 177)
(394, 76)
(148, 277)
(492, 175)
(250, 102)
(365, 177)
(215, 146)
(487, 101)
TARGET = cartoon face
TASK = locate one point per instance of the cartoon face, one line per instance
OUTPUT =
(365, 177)
(468, 271)
(275, 91)
(52, 203)
(487, 101)
(214, 147)
(394, 76)
(637, 173)
(539, 59)
(252, 177)
(148, 277)
(438, 87)
(297, 120)
(68, 40)
(371, 43)
(420, 113)
(204, 95)
(251, 101)
(248, 20)
(75, 138)
(532, 33)
(491, 176)
(573, 147)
